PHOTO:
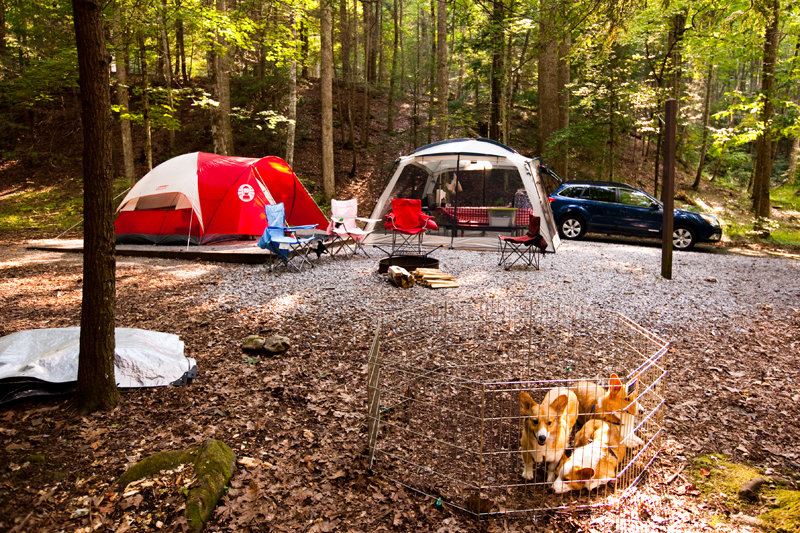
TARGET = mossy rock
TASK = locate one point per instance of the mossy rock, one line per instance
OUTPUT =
(784, 517)
(214, 465)
(724, 476)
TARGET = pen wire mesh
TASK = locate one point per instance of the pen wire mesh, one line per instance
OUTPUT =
(443, 397)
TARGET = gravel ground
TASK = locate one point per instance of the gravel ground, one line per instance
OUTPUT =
(707, 286)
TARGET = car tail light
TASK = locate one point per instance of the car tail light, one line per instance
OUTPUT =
(551, 198)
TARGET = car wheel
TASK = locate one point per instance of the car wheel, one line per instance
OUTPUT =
(683, 238)
(571, 227)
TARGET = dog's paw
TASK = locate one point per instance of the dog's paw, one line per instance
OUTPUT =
(527, 472)
(632, 441)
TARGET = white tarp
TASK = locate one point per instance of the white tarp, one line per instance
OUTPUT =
(142, 358)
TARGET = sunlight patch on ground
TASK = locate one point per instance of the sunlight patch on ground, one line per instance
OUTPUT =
(285, 303)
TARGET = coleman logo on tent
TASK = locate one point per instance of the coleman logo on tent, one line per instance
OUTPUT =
(246, 193)
(160, 187)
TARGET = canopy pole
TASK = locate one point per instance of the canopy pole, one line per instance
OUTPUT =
(455, 204)
(189, 237)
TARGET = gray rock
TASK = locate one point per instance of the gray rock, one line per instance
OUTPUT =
(277, 344)
(253, 343)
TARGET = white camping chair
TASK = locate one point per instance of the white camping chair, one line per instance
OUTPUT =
(344, 226)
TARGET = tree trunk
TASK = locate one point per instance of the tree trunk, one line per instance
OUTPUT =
(393, 74)
(96, 388)
(706, 116)
(548, 80)
(292, 111)
(432, 74)
(148, 136)
(123, 59)
(344, 38)
(498, 41)
(167, 74)
(181, 53)
(3, 49)
(326, 83)
(561, 163)
(367, 71)
(221, 131)
(441, 68)
(303, 50)
(763, 164)
(791, 172)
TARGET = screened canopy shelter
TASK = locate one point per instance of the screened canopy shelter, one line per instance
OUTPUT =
(471, 186)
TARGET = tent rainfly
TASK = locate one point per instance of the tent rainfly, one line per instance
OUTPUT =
(479, 177)
(202, 198)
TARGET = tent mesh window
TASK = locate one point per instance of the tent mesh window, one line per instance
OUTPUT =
(444, 383)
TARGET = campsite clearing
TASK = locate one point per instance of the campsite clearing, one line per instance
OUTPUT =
(297, 424)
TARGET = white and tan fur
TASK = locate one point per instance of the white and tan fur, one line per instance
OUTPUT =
(616, 406)
(594, 460)
(546, 429)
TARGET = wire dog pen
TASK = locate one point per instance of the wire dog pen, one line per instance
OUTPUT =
(444, 384)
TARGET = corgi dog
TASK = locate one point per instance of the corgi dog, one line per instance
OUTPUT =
(546, 428)
(617, 406)
(594, 460)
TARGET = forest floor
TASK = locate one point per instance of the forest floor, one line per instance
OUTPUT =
(297, 422)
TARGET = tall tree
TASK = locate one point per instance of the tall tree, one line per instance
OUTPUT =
(148, 137)
(770, 10)
(2, 27)
(706, 116)
(96, 389)
(292, 111)
(393, 74)
(219, 72)
(326, 83)
(548, 108)
(122, 58)
(561, 163)
(441, 69)
(497, 29)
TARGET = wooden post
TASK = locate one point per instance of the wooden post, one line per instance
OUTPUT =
(668, 187)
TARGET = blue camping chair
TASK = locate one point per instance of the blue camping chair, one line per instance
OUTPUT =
(277, 235)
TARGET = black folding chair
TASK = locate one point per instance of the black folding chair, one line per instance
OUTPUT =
(527, 248)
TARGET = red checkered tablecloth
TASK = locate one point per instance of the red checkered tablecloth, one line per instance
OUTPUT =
(480, 215)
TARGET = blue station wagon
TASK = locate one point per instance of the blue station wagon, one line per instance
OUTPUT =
(617, 209)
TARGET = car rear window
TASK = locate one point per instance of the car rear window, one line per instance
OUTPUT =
(572, 192)
(601, 194)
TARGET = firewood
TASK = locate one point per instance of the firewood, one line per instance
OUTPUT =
(400, 277)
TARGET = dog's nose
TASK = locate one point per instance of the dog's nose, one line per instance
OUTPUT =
(542, 440)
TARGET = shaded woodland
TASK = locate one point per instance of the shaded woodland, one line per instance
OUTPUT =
(578, 84)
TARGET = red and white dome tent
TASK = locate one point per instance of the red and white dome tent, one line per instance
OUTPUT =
(202, 198)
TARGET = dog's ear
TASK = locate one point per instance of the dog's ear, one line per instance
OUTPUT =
(633, 386)
(559, 404)
(587, 473)
(614, 384)
(526, 403)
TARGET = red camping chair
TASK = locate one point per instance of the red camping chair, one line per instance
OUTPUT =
(406, 221)
(526, 248)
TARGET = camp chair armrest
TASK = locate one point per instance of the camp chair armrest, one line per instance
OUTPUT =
(307, 226)
(368, 219)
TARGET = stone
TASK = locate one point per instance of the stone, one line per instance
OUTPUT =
(253, 343)
(277, 344)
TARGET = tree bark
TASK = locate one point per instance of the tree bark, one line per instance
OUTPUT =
(561, 163)
(326, 60)
(180, 59)
(96, 388)
(219, 73)
(3, 49)
(303, 50)
(123, 60)
(441, 68)
(148, 135)
(167, 73)
(706, 116)
(393, 74)
(763, 165)
(548, 79)
(292, 111)
(498, 42)
(368, 55)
